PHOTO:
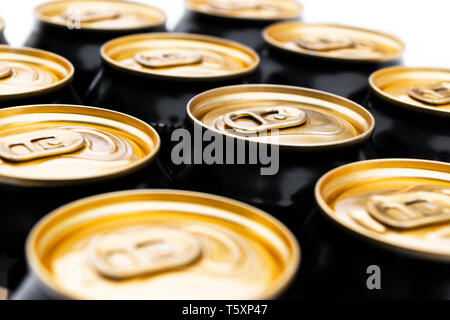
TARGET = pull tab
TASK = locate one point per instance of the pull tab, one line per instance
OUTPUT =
(408, 210)
(39, 144)
(5, 70)
(170, 59)
(267, 118)
(237, 4)
(324, 43)
(134, 252)
(436, 93)
(89, 15)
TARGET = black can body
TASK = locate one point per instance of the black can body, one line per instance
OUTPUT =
(247, 32)
(79, 46)
(23, 206)
(288, 194)
(403, 133)
(159, 102)
(346, 79)
(2, 37)
(63, 95)
(338, 264)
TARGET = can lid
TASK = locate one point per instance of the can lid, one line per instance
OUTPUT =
(420, 89)
(336, 42)
(401, 204)
(306, 119)
(50, 145)
(102, 15)
(260, 10)
(27, 72)
(179, 56)
(162, 244)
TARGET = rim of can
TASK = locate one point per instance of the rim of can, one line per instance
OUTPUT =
(298, 91)
(272, 42)
(188, 36)
(420, 107)
(46, 55)
(295, 13)
(90, 111)
(37, 267)
(371, 237)
(42, 18)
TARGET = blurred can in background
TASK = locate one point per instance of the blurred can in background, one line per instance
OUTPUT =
(159, 244)
(154, 75)
(383, 232)
(53, 154)
(31, 76)
(334, 58)
(267, 145)
(76, 29)
(412, 110)
(238, 20)
(2, 32)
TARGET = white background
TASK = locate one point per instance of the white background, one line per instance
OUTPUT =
(423, 25)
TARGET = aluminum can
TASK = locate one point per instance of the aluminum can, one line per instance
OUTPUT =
(76, 29)
(159, 244)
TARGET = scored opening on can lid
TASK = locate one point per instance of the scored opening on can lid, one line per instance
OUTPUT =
(420, 89)
(28, 72)
(180, 56)
(260, 10)
(50, 145)
(336, 42)
(401, 204)
(162, 244)
(305, 119)
(102, 15)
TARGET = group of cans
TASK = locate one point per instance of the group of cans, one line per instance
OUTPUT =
(368, 153)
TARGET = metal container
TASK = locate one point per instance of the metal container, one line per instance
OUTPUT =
(385, 233)
(303, 132)
(333, 58)
(31, 76)
(2, 32)
(52, 154)
(154, 75)
(76, 29)
(240, 21)
(412, 110)
(159, 244)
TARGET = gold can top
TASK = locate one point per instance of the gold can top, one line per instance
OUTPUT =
(291, 117)
(103, 15)
(181, 57)
(336, 42)
(397, 203)
(261, 10)
(420, 89)
(162, 244)
(50, 145)
(27, 72)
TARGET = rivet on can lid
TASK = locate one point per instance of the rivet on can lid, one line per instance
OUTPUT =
(39, 144)
(169, 59)
(436, 93)
(5, 70)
